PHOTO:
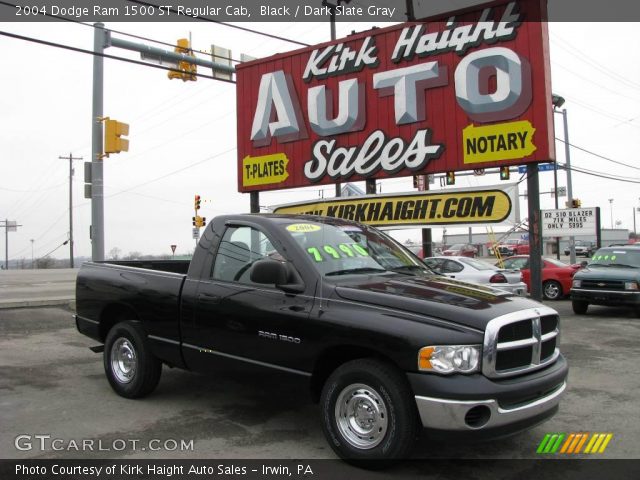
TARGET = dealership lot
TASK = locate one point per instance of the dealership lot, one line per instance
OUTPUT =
(56, 399)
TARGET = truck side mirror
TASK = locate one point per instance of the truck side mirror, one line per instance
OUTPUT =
(269, 272)
(276, 273)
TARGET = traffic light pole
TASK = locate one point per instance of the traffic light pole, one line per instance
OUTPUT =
(97, 182)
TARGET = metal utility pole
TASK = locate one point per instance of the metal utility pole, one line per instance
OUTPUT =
(102, 39)
(71, 158)
(97, 183)
(567, 155)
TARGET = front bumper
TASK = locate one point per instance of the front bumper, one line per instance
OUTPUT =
(606, 297)
(464, 415)
(489, 407)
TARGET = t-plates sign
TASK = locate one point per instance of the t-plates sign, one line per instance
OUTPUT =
(463, 91)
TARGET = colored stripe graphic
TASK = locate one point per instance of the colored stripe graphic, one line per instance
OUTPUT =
(572, 443)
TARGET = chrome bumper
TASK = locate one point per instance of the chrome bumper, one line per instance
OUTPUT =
(442, 414)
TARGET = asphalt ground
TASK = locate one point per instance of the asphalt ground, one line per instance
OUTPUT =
(51, 384)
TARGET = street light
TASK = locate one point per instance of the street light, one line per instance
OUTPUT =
(558, 102)
(611, 211)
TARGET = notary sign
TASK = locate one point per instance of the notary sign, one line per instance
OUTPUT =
(468, 207)
(464, 91)
(569, 222)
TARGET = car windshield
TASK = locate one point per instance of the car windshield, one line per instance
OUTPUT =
(457, 246)
(345, 249)
(616, 256)
(478, 264)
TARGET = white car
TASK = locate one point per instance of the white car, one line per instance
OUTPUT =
(476, 271)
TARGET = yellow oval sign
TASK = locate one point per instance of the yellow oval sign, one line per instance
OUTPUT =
(303, 227)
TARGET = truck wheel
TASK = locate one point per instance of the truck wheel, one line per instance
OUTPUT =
(579, 307)
(368, 412)
(131, 368)
(552, 290)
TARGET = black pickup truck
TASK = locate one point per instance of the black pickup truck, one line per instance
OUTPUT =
(388, 346)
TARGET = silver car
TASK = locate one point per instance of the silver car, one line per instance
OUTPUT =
(477, 271)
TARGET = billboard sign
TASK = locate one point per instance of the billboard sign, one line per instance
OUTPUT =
(465, 91)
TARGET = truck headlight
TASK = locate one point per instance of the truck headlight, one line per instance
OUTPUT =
(631, 286)
(446, 359)
(576, 283)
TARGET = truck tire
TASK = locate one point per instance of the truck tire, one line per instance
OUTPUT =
(131, 368)
(369, 416)
(579, 307)
(552, 290)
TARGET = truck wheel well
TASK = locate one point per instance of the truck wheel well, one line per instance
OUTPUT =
(112, 315)
(332, 358)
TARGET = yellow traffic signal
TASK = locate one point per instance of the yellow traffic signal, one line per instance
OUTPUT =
(451, 178)
(576, 203)
(504, 173)
(199, 221)
(196, 202)
(185, 71)
(113, 133)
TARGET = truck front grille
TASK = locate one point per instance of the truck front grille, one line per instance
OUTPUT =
(603, 284)
(520, 342)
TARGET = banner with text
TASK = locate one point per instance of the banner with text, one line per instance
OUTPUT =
(436, 208)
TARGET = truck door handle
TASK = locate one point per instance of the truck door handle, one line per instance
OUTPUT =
(206, 298)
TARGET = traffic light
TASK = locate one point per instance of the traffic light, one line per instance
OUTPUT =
(204, 221)
(196, 202)
(113, 133)
(193, 221)
(198, 221)
(451, 178)
(185, 70)
(576, 203)
(415, 181)
(504, 173)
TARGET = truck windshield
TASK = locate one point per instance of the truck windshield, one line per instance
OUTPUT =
(616, 256)
(352, 249)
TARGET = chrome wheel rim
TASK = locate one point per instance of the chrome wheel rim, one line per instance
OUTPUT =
(361, 416)
(552, 290)
(124, 361)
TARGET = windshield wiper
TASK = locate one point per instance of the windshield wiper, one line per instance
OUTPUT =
(348, 271)
(408, 268)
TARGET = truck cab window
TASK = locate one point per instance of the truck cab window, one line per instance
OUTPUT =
(240, 248)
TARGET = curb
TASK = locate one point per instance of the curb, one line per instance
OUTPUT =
(47, 302)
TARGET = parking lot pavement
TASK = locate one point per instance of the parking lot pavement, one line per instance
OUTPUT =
(52, 385)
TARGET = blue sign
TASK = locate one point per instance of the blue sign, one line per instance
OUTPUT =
(542, 167)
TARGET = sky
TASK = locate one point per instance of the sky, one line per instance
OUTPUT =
(183, 134)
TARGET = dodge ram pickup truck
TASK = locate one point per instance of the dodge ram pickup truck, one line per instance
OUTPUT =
(388, 347)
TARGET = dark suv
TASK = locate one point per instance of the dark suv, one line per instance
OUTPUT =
(611, 278)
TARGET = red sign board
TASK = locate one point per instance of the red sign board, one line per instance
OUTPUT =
(467, 91)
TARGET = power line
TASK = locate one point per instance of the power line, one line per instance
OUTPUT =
(105, 55)
(597, 155)
(205, 19)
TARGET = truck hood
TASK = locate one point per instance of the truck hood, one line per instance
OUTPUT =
(435, 296)
(608, 273)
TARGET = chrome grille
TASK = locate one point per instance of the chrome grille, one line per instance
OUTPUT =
(603, 284)
(520, 342)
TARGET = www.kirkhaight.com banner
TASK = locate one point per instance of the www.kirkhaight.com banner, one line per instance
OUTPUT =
(289, 10)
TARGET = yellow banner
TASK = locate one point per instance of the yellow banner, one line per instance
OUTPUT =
(502, 141)
(264, 170)
(482, 206)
